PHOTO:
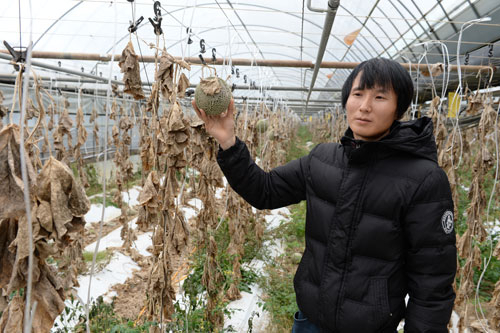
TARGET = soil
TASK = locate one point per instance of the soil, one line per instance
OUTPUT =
(131, 295)
(90, 233)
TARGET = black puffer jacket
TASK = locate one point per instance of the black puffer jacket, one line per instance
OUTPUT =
(379, 226)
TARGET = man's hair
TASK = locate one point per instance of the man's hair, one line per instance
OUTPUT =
(384, 73)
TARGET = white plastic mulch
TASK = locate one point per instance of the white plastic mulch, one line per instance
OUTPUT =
(95, 212)
(248, 308)
(121, 267)
(131, 196)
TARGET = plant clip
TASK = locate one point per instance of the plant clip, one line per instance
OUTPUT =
(17, 56)
(233, 87)
(245, 78)
(134, 25)
(189, 92)
(202, 60)
(466, 61)
(232, 70)
(202, 46)
(490, 50)
(214, 57)
(156, 23)
(237, 73)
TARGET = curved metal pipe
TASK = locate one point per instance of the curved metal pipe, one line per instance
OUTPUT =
(56, 21)
(333, 5)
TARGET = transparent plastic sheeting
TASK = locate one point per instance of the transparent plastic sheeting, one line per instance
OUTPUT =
(257, 29)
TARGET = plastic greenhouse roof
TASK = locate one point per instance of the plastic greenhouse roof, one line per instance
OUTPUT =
(256, 29)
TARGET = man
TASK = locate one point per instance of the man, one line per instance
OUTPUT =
(378, 211)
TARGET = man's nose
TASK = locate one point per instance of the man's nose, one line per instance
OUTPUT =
(366, 104)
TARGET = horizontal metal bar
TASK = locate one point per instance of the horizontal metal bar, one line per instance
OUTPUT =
(60, 69)
(12, 77)
(286, 100)
(220, 61)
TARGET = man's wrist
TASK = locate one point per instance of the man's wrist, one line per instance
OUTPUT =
(228, 143)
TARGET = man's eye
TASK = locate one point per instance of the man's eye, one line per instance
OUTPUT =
(380, 97)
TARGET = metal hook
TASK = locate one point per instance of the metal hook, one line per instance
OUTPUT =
(202, 46)
(156, 21)
(189, 32)
(202, 60)
(156, 8)
(214, 57)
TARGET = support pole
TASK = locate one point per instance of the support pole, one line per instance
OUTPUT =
(333, 5)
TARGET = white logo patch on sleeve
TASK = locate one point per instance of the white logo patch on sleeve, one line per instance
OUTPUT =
(447, 221)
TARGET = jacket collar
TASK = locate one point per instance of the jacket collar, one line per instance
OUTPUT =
(415, 137)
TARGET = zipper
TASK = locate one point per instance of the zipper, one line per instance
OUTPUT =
(349, 242)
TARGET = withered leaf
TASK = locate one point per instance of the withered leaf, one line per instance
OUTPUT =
(12, 186)
(12, 317)
(129, 65)
(210, 86)
(165, 74)
(149, 191)
(182, 85)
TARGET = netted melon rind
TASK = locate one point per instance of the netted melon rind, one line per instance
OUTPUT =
(216, 104)
(262, 125)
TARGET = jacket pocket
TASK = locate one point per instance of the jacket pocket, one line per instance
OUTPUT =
(299, 281)
(379, 298)
(370, 316)
(302, 269)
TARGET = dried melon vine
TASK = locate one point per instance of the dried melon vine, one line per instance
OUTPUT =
(468, 243)
(164, 139)
(58, 204)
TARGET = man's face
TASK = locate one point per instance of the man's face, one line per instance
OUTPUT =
(370, 112)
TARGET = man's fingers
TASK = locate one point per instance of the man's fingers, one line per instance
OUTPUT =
(230, 109)
(201, 114)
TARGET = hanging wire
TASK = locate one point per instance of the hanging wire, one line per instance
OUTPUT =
(490, 238)
(302, 44)
(446, 71)
(29, 311)
(108, 106)
(20, 30)
(418, 75)
(458, 93)
(190, 32)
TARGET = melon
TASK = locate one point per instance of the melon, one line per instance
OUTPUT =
(296, 257)
(262, 125)
(213, 95)
(271, 135)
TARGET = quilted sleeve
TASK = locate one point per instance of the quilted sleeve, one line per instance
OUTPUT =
(430, 255)
(282, 186)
